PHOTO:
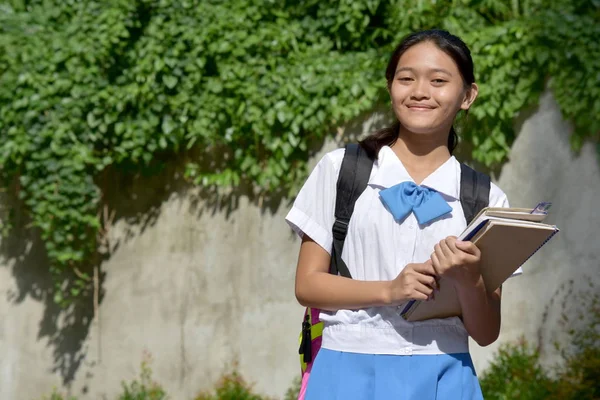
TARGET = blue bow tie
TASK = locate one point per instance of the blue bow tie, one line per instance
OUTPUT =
(427, 204)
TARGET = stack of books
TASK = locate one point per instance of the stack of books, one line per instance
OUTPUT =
(507, 238)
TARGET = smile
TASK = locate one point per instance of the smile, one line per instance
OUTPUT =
(420, 108)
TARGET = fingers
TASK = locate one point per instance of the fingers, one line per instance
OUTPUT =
(423, 278)
(425, 268)
(451, 243)
(428, 280)
(416, 281)
(435, 261)
(429, 277)
(422, 292)
(465, 252)
(447, 246)
(450, 248)
(442, 260)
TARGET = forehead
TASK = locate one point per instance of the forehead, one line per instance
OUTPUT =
(427, 56)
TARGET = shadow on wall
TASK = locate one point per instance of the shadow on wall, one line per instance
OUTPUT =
(131, 197)
(65, 330)
(134, 198)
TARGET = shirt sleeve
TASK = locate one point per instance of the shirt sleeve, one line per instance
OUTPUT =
(498, 199)
(313, 210)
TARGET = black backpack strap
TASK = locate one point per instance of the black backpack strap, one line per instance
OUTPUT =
(352, 181)
(474, 191)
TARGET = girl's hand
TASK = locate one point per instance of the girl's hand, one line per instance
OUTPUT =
(416, 281)
(457, 260)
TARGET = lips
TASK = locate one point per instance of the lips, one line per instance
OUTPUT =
(420, 107)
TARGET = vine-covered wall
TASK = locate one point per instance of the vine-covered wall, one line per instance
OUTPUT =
(90, 87)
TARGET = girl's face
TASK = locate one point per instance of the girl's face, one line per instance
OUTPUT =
(428, 91)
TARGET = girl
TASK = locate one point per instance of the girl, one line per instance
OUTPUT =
(368, 350)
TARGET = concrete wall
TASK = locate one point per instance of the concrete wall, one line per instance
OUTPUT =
(542, 167)
(196, 282)
(199, 280)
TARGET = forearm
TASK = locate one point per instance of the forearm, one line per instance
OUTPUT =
(480, 312)
(331, 292)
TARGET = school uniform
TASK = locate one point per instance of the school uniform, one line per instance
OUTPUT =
(373, 353)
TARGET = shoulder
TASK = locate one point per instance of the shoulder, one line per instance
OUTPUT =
(329, 164)
(324, 171)
(334, 158)
(497, 196)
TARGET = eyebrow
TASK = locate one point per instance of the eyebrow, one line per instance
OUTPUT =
(409, 69)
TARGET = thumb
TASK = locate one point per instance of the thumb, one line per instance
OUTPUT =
(462, 244)
(466, 246)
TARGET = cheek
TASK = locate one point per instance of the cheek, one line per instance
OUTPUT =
(450, 97)
(397, 93)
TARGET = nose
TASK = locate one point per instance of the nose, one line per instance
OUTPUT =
(420, 90)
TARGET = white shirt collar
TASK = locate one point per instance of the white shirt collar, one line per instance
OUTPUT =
(390, 171)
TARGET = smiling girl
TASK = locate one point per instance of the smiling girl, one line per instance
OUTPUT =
(369, 351)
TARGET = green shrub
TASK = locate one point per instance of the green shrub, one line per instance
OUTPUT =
(144, 388)
(294, 390)
(580, 375)
(55, 395)
(580, 379)
(231, 386)
(516, 372)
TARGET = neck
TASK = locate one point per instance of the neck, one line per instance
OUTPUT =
(421, 154)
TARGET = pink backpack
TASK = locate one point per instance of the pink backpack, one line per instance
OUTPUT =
(310, 343)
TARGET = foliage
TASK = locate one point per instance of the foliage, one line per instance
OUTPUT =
(516, 373)
(580, 375)
(294, 390)
(144, 388)
(55, 395)
(252, 85)
(231, 387)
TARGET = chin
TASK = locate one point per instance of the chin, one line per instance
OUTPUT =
(419, 123)
(420, 129)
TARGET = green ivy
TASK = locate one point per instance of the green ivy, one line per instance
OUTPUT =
(250, 85)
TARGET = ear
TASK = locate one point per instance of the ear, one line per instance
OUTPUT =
(470, 96)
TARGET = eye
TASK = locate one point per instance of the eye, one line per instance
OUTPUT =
(405, 79)
(439, 81)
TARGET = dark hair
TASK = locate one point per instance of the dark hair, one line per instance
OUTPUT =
(449, 44)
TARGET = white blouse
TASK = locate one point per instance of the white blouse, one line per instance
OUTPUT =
(377, 248)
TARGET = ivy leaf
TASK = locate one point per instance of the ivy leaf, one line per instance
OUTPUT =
(170, 81)
(168, 125)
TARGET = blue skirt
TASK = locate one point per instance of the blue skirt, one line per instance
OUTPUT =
(353, 376)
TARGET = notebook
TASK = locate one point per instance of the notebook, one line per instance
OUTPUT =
(507, 238)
